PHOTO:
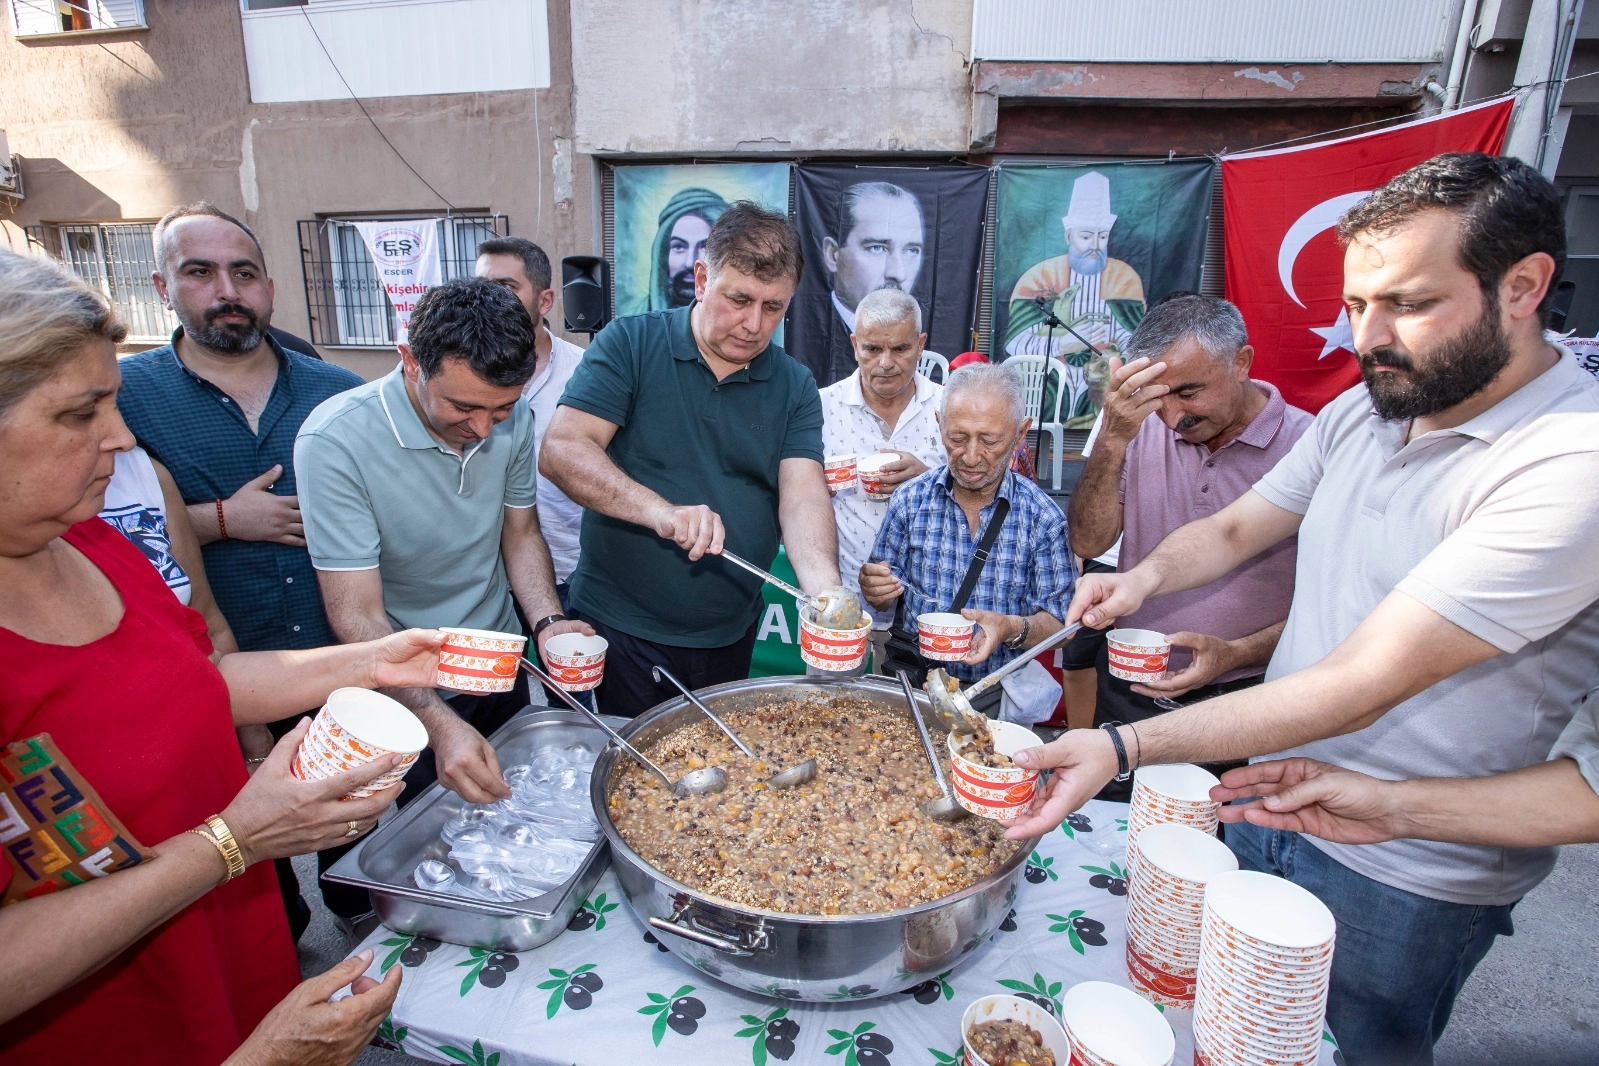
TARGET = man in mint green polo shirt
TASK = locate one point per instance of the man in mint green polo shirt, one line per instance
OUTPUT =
(681, 430)
(418, 494)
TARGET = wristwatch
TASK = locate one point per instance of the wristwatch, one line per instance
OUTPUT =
(544, 623)
(1020, 639)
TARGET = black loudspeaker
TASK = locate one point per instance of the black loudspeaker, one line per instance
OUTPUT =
(585, 293)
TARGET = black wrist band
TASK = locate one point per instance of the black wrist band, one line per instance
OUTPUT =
(1123, 771)
(544, 623)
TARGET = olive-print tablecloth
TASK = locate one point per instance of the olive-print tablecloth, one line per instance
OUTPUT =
(605, 992)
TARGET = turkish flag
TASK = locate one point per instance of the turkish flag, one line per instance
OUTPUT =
(1284, 267)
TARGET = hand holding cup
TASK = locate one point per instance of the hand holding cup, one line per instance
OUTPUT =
(276, 815)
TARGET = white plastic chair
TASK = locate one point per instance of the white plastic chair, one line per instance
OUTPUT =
(1035, 371)
(930, 360)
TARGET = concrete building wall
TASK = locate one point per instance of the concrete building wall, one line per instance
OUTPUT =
(163, 116)
(684, 77)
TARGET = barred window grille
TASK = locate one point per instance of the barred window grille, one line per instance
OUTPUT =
(343, 294)
(117, 258)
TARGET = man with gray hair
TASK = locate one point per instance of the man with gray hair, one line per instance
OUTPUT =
(884, 406)
(935, 523)
(1185, 431)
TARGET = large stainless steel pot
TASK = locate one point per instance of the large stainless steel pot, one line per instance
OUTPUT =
(803, 957)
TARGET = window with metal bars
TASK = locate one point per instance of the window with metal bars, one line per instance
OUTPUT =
(117, 258)
(343, 294)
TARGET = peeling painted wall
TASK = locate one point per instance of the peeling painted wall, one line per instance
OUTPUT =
(676, 77)
(157, 118)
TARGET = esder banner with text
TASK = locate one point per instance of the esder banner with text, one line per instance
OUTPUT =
(406, 255)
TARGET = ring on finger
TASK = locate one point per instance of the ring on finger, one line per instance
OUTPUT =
(354, 828)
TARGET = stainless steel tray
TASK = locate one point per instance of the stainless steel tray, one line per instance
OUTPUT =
(382, 863)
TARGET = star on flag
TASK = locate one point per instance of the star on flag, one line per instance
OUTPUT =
(1336, 336)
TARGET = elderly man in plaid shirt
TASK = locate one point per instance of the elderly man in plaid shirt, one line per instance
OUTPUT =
(936, 521)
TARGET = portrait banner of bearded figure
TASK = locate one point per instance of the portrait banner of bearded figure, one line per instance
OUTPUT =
(919, 229)
(1081, 251)
(662, 216)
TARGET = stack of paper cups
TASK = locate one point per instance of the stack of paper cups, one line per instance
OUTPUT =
(1165, 899)
(1178, 794)
(352, 729)
(1106, 1025)
(1265, 959)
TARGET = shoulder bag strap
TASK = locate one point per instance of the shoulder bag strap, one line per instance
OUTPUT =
(980, 556)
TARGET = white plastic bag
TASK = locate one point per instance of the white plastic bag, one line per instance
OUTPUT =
(1030, 695)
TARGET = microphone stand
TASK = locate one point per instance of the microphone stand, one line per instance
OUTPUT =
(1052, 321)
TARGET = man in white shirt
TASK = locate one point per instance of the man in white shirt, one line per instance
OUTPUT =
(884, 406)
(521, 266)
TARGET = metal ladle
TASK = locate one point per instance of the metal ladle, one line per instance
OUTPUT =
(795, 775)
(694, 783)
(943, 808)
(952, 707)
(826, 614)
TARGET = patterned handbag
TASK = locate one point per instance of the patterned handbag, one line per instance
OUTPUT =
(55, 832)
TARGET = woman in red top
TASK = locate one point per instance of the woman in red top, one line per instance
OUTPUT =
(171, 961)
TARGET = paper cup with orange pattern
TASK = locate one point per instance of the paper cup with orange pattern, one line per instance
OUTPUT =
(870, 469)
(477, 660)
(576, 662)
(944, 637)
(839, 471)
(1138, 654)
(831, 649)
(1108, 1025)
(1002, 1008)
(998, 792)
(353, 728)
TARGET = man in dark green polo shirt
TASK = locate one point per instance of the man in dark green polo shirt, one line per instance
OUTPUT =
(682, 430)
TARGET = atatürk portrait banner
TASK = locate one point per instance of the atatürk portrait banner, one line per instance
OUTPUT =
(919, 229)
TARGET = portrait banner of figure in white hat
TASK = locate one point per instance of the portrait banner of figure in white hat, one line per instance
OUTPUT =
(1081, 251)
(863, 228)
(663, 214)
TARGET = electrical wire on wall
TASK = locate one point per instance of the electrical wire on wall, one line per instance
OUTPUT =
(397, 153)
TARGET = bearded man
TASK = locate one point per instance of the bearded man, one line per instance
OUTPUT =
(219, 407)
(1097, 296)
(1444, 621)
(680, 236)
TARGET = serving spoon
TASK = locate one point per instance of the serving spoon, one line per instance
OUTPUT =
(795, 775)
(704, 782)
(943, 808)
(952, 707)
(833, 607)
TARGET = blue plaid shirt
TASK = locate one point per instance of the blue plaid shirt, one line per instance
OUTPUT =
(926, 541)
(267, 591)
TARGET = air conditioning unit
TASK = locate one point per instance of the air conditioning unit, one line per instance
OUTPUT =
(10, 171)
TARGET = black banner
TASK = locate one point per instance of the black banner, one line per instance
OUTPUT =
(914, 228)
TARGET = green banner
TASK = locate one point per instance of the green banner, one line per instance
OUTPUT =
(777, 640)
(1090, 248)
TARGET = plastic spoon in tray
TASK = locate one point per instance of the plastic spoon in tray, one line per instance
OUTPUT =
(836, 607)
(953, 705)
(804, 773)
(694, 783)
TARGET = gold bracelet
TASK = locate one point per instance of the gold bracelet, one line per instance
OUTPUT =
(221, 838)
